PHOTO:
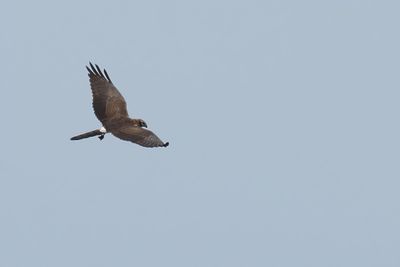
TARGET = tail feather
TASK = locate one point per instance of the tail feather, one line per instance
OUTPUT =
(87, 135)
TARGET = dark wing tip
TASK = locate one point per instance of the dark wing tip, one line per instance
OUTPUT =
(166, 144)
(95, 70)
(99, 71)
(89, 70)
(108, 77)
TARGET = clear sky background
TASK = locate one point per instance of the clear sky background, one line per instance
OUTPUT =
(282, 118)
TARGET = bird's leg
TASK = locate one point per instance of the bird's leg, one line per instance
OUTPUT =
(101, 137)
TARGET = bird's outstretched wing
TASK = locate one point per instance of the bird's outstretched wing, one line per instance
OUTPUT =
(108, 103)
(139, 136)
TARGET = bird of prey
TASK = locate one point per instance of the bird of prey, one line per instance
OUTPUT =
(110, 108)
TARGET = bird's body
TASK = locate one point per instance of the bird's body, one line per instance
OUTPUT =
(110, 108)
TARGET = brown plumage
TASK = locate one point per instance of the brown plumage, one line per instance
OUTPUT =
(110, 108)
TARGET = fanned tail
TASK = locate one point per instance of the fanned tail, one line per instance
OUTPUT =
(87, 135)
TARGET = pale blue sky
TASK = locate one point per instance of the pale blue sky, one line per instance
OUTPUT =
(282, 118)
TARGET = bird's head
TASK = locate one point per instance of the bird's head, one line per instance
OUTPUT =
(140, 123)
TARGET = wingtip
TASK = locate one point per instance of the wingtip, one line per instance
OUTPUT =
(94, 69)
(166, 144)
(108, 77)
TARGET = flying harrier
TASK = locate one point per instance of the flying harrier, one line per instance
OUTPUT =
(110, 108)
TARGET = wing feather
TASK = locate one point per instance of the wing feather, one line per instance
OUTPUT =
(139, 136)
(108, 103)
